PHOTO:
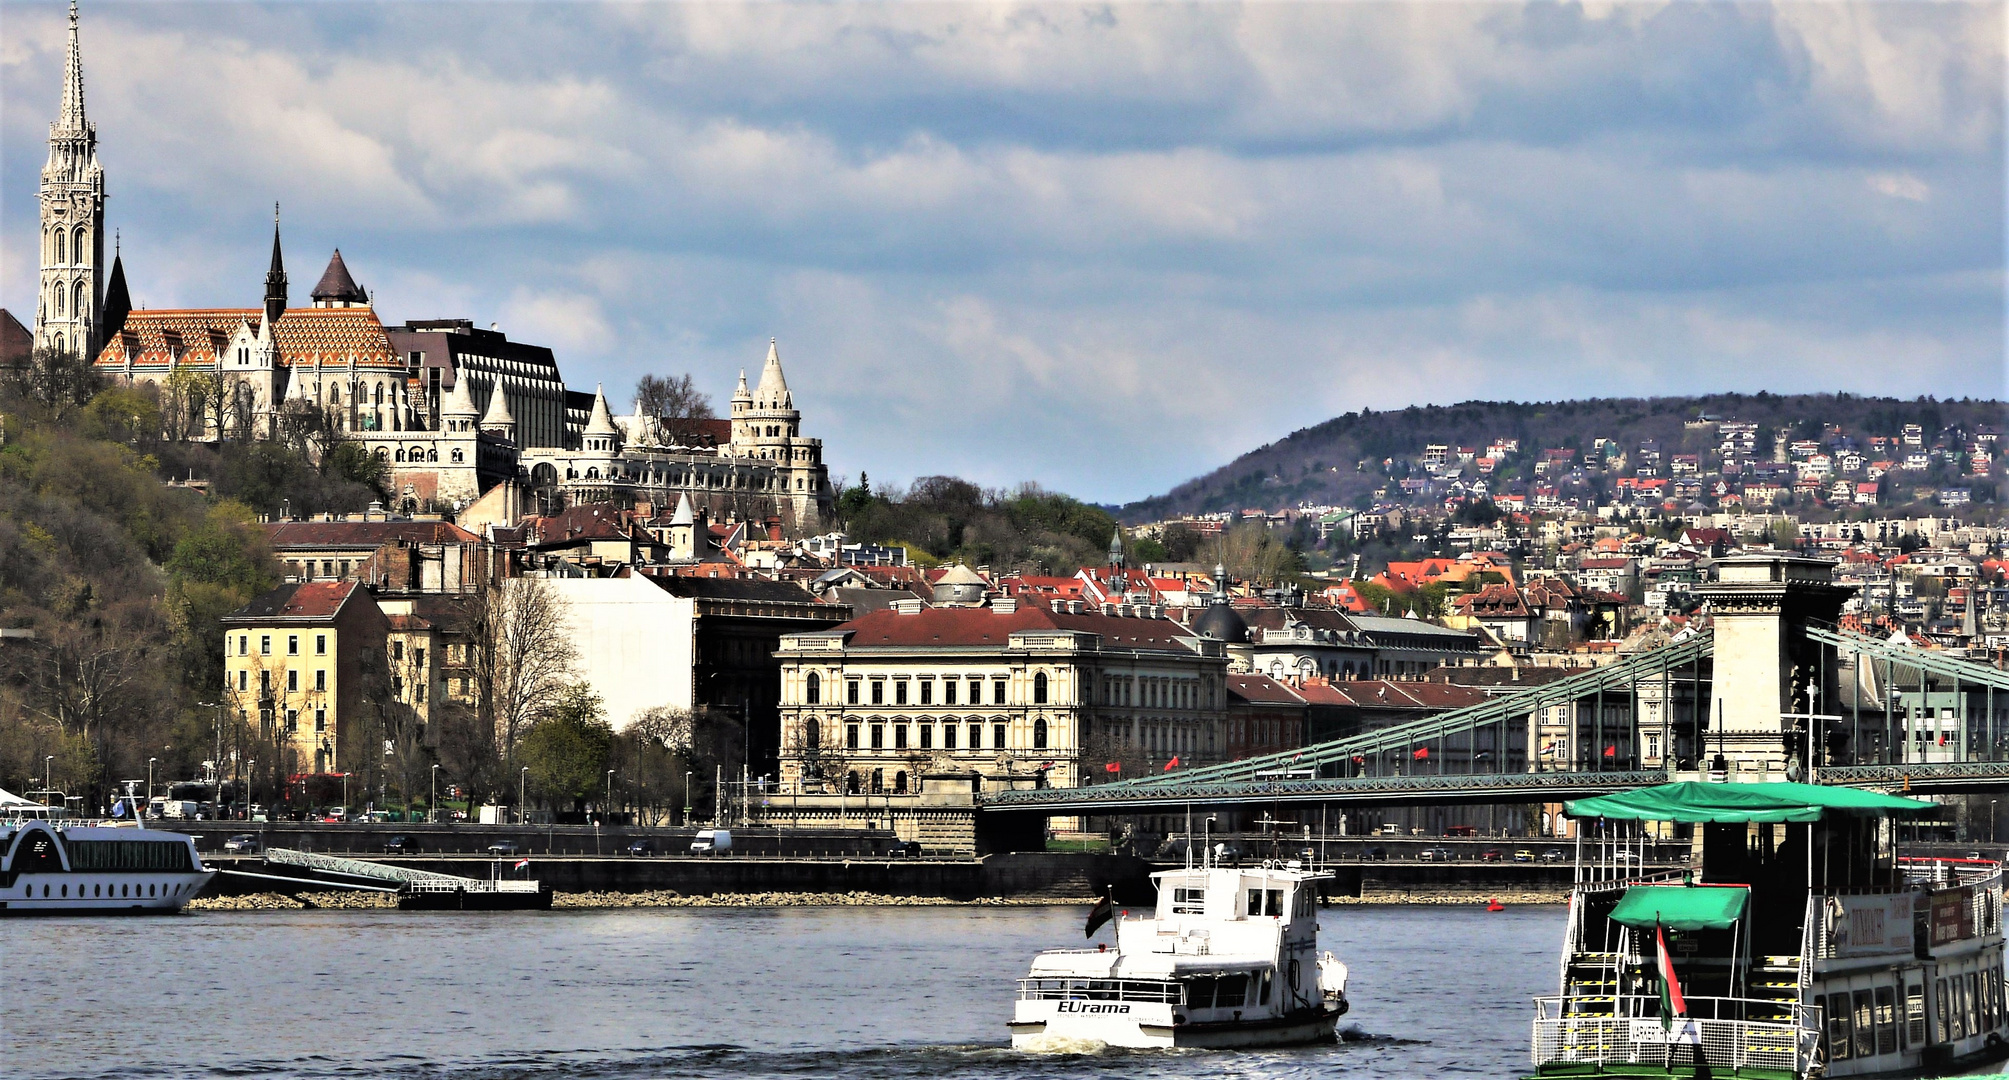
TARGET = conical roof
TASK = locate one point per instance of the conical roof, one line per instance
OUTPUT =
(1221, 623)
(960, 574)
(459, 400)
(684, 515)
(498, 414)
(118, 301)
(336, 284)
(742, 394)
(602, 420)
(773, 390)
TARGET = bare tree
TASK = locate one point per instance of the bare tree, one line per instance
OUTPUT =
(523, 657)
(676, 404)
(58, 379)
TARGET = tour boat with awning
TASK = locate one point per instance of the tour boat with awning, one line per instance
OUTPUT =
(1229, 958)
(50, 867)
(1799, 944)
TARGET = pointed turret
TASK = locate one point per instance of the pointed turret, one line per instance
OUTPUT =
(275, 276)
(684, 514)
(773, 390)
(118, 301)
(70, 117)
(741, 397)
(69, 307)
(1116, 548)
(601, 435)
(336, 288)
(498, 420)
(457, 412)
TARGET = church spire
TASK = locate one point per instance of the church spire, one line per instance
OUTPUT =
(275, 277)
(70, 118)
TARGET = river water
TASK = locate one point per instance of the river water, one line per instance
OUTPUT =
(876, 993)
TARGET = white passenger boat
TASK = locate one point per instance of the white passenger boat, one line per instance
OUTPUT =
(48, 866)
(1228, 959)
(1802, 944)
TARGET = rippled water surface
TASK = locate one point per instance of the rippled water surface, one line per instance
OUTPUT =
(889, 993)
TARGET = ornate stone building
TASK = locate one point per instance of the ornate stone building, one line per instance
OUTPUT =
(68, 309)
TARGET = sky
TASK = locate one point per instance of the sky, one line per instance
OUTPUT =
(1102, 247)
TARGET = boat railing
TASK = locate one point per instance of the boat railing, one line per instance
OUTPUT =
(1156, 991)
(1715, 1035)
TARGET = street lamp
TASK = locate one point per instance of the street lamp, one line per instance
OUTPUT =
(687, 797)
(48, 772)
(432, 801)
(609, 808)
(522, 786)
(149, 780)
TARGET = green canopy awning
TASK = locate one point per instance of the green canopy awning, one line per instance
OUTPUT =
(1681, 907)
(1691, 801)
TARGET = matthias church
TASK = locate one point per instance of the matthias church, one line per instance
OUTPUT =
(458, 414)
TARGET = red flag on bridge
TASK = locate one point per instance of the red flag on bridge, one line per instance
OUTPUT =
(1611, 751)
(1172, 764)
(1422, 752)
(1112, 767)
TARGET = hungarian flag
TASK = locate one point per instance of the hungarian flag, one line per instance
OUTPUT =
(1112, 767)
(1422, 752)
(521, 865)
(1296, 756)
(1359, 760)
(1172, 764)
(1098, 915)
(1672, 1004)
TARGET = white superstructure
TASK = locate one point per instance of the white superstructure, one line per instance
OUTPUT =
(50, 867)
(1228, 959)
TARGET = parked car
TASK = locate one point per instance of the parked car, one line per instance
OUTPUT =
(401, 845)
(1523, 855)
(1491, 854)
(242, 844)
(1374, 854)
(502, 847)
(336, 814)
(640, 848)
(910, 849)
(1434, 854)
(1390, 828)
(1554, 854)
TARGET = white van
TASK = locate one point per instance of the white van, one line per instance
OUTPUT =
(712, 842)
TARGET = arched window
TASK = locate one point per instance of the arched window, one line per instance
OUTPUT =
(383, 455)
(1039, 734)
(1039, 690)
(401, 455)
(812, 692)
(81, 306)
(78, 248)
(335, 396)
(380, 393)
(851, 781)
(900, 782)
(432, 454)
(61, 253)
(60, 294)
(812, 734)
(458, 457)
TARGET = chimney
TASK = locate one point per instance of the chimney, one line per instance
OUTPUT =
(1004, 605)
(908, 606)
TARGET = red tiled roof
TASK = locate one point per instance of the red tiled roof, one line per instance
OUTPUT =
(196, 337)
(302, 600)
(1261, 689)
(370, 534)
(983, 626)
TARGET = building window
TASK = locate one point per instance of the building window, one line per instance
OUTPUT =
(878, 693)
(265, 644)
(292, 681)
(1039, 734)
(948, 691)
(1039, 690)
(927, 691)
(976, 736)
(878, 781)
(900, 692)
(812, 691)
(997, 736)
(321, 646)
(321, 679)
(948, 736)
(851, 781)
(976, 692)
(292, 721)
(851, 692)
(927, 736)
(878, 736)
(900, 782)
(264, 681)
(851, 736)
(320, 719)
(997, 691)
(899, 736)
(292, 644)
(244, 644)
(812, 733)
(243, 680)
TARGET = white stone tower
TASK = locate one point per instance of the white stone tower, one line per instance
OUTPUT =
(766, 425)
(73, 221)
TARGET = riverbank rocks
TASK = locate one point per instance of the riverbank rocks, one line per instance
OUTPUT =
(350, 901)
(663, 898)
(340, 901)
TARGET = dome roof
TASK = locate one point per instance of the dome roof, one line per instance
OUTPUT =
(1221, 623)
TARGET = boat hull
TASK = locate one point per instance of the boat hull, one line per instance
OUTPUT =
(1154, 1030)
(110, 893)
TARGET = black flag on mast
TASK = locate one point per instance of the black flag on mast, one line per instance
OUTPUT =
(1101, 913)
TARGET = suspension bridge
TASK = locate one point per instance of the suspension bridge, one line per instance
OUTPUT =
(1772, 688)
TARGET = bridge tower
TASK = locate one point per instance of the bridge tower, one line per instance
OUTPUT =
(1766, 669)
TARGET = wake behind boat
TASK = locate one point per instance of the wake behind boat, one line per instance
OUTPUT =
(1228, 959)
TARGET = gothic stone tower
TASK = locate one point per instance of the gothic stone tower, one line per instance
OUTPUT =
(766, 424)
(73, 222)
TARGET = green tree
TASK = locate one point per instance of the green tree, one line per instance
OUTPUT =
(567, 750)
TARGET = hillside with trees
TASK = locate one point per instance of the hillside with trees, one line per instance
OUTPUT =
(1340, 462)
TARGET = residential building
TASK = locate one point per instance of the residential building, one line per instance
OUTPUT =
(303, 662)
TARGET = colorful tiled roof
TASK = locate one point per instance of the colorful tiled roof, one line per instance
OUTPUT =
(197, 337)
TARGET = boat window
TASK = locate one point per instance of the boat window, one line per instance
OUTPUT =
(1971, 1003)
(1886, 1020)
(1940, 1011)
(1189, 901)
(1263, 993)
(1865, 1025)
(1838, 1028)
(1914, 1015)
(1266, 901)
(1232, 992)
